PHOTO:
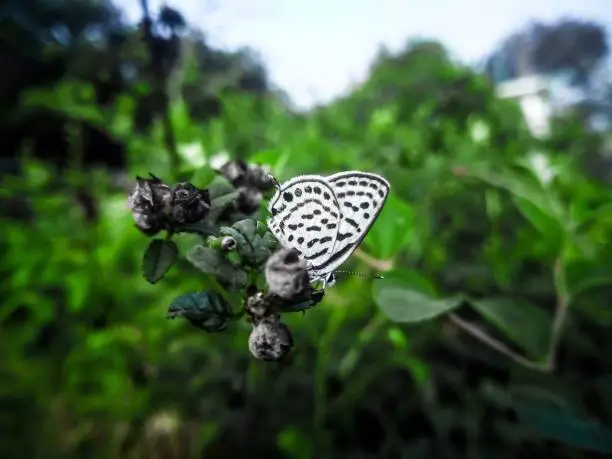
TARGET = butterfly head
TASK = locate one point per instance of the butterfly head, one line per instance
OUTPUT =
(276, 205)
(324, 279)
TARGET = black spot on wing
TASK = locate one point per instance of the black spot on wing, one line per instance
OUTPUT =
(312, 242)
(343, 236)
(353, 223)
(317, 255)
(351, 206)
(320, 241)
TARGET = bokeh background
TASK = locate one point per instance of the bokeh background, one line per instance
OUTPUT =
(490, 119)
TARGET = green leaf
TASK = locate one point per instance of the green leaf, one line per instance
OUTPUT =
(313, 298)
(552, 419)
(525, 189)
(203, 177)
(392, 230)
(203, 228)
(604, 389)
(252, 246)
(208, 311)
(222, 194)
(158, 258)
(294, 443)
(247, 227)
(543, 222)
(413, 279)
(401, 300)
(582, 276)
(213, 262)
(520, 321)
(273, 158)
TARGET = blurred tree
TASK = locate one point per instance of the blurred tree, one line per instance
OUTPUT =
(571, 50)
(89, 42)
(570, 46)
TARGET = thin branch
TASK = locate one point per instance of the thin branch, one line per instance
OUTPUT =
(493, 343)
(161, 85)
(561, 310)
(563, 300)
(378, 265)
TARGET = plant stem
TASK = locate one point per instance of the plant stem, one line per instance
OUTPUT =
(561, 310)
(493, 343)
(379, 265)
(161, 86)
(563, 301)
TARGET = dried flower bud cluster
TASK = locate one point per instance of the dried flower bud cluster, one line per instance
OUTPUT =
(189, 204)
(287, 274)
(250, 181)
(156, 206)
(287, 278)
(270, 339)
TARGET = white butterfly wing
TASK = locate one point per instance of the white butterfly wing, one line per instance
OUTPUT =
(361, 196)
(306, 216)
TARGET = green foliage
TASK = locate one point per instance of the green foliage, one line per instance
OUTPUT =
(554, 420)
(158, 258)
(208, 311)
(407, 297)
(495, 264)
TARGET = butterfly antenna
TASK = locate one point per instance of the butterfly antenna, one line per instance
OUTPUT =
(276, 184)
(361, 275)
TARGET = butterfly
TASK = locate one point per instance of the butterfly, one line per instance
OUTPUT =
(326, 218)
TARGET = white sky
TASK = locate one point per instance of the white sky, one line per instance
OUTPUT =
(317, 49)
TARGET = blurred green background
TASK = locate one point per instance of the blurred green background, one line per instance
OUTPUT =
(488, 338)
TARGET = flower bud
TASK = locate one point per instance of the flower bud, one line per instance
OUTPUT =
(260, 178)
(257, 307)
(228, 244)
(236, 172)
(270, 339)
(189, 204)
(287, 274)
(248, 200)
(147, 201)
(241, 174)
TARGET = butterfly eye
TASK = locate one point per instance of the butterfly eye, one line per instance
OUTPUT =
(274, 210)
